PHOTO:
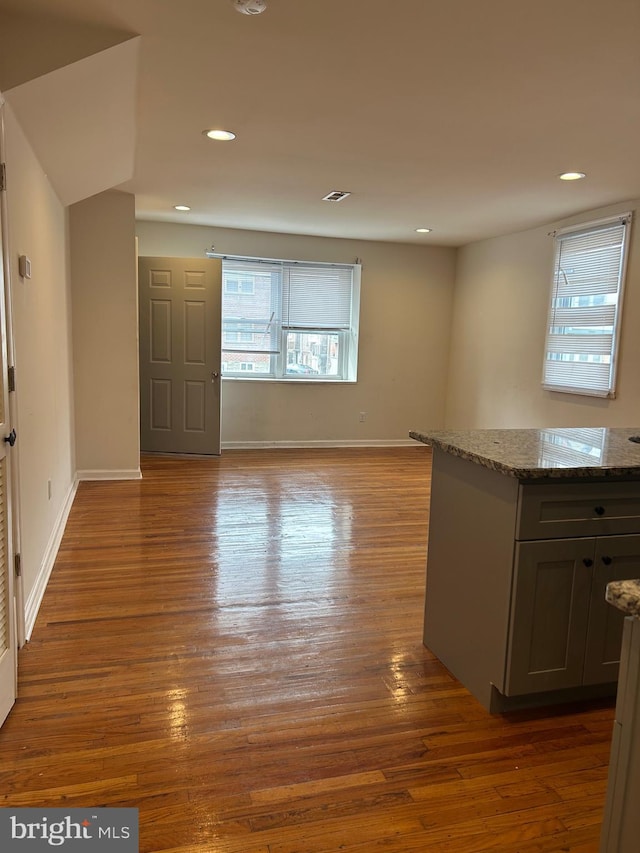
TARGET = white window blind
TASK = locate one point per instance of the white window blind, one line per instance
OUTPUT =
(317, 297)
(584, 314)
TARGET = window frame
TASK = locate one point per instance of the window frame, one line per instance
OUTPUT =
(557, 331)
(278, 359)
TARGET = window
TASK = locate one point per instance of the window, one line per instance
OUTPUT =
(586, 302)
(232, 285)
(290, 320)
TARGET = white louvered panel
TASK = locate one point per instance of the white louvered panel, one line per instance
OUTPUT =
(579, 371)
(589, 344)
(317, 299)
(589, 264)
(578, 374)
(589, 316)
(4, 591)
(585, 283)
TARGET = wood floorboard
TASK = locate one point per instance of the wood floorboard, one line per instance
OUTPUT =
(233, 646)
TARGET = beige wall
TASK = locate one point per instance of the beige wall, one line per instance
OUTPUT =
(496, 362)
(33, 45)
(405, 311)
(105, 335)
(41, 322)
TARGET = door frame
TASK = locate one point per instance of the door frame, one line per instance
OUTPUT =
(14, 596)
(13, 493)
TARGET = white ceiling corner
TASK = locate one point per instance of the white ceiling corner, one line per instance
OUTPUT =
(81, 121)
(455, 116)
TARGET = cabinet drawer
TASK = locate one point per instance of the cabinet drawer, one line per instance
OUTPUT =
(580, 509)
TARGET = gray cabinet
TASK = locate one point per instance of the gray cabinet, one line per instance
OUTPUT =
(617, 558)
(562, 510)
(549, 616)
(562, 632)
(516, 576)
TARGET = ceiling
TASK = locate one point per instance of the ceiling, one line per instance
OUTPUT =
(456, 115)
(68, 116)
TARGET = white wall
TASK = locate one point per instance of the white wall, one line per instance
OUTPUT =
(496, 364)
(105, 336)
(405, 312)
(41, 321)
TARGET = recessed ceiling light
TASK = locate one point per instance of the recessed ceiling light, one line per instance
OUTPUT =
(181, 207)
(250, 7)
(572, 176)
(221, 135)
(423, 230)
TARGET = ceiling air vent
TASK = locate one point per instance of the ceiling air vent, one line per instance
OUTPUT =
(336, 195)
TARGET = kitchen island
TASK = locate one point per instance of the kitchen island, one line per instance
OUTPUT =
(527, 528)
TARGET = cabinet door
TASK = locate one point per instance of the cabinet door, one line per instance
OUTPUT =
(549, 613)
(621, 820)
(617, 558)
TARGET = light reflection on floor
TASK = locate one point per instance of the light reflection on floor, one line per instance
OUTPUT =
(276, 530)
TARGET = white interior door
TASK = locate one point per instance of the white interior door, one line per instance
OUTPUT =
(180, 334)
(8, 647)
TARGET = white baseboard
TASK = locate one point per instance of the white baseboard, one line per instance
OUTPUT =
(107, 474)
(374, 442)
(51, 552)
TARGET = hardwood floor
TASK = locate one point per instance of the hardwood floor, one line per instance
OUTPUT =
(233, 646)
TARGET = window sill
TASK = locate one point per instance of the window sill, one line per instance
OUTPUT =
(281, 381)
(580, 392)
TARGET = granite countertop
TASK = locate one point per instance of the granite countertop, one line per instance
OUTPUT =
(544, 453)
(625, 595)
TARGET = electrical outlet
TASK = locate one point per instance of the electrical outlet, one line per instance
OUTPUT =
(363, 417)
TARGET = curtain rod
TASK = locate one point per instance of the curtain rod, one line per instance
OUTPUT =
(226, 257)
(616, 219)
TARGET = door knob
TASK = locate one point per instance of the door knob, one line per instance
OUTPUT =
(11, 438)
(214, 376)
